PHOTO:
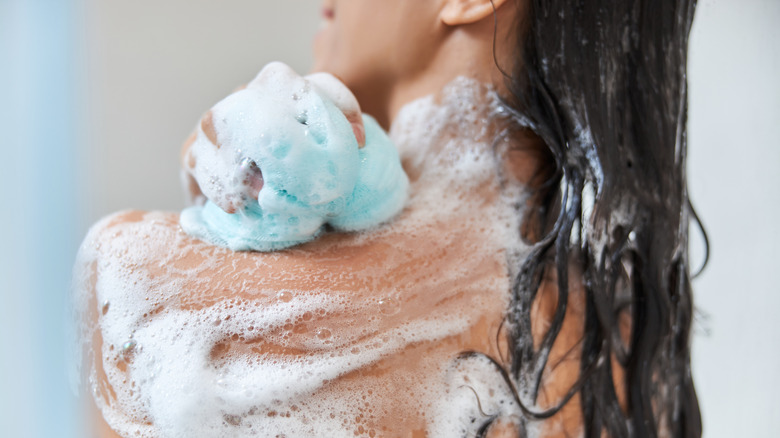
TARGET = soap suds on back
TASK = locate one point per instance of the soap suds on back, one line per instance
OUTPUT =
(316, 340)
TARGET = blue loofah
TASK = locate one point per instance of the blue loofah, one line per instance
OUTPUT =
(313, 171)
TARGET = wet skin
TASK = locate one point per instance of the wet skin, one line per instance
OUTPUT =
(388, 261)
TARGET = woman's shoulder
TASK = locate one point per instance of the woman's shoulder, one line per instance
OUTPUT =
(130, 233)
(152, 243)
(148, 256)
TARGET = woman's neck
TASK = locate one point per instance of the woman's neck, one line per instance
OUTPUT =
(479, 50)
(441, 136)
(464, 115)
(464, 110)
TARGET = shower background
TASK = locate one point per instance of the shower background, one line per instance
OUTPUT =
(97, 95)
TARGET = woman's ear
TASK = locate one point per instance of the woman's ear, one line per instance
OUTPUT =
(458, 12)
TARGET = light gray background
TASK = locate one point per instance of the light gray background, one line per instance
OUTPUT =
(155, 66)
(734, 176)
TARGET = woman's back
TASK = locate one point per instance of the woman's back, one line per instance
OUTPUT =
(349, 335)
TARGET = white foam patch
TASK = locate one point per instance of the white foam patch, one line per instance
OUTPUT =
(476, 394)
(181, 357)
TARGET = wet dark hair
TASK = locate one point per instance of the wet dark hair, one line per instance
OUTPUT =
(603, 84)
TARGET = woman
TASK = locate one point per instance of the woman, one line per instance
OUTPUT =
(536, 283)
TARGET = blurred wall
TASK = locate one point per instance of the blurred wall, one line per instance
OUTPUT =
(39, 70)
(156, 66)
(734, 176)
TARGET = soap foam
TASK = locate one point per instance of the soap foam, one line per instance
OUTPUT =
(177, 352)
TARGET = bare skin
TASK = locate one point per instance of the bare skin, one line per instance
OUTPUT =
(364, 266)
(413, 55)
